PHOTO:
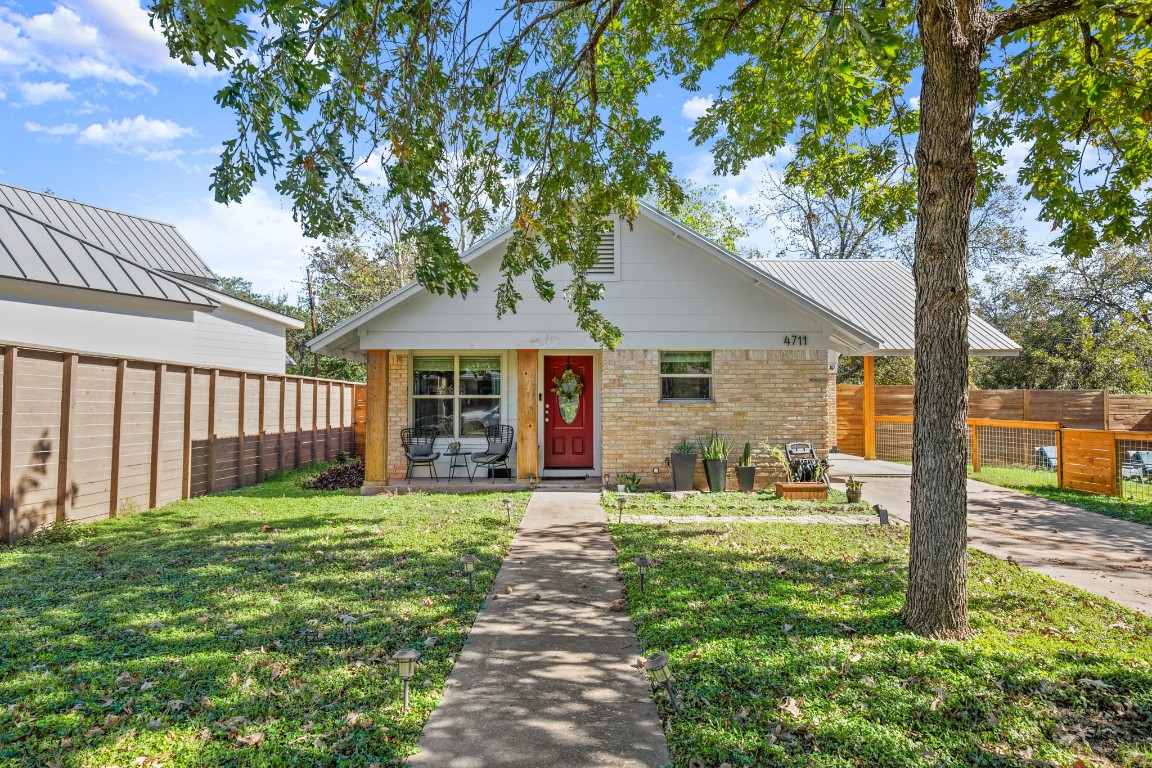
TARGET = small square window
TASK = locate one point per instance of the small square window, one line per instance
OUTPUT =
(685, 375)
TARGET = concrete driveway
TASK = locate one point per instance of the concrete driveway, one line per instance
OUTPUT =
(1111, 558)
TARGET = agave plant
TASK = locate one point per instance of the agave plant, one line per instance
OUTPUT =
(714, 447)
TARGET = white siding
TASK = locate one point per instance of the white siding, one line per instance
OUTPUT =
(227, 338)
(59, 317)
(671, 295)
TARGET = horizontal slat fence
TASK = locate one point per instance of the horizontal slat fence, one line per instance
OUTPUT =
(85, 438)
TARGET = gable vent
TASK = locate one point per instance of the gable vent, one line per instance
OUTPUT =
(605, 265)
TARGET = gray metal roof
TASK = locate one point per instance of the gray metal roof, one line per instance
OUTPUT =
(33, 250)
(148, 243)
(878, 295)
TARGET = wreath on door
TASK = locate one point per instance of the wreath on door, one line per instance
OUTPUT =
(567, 387)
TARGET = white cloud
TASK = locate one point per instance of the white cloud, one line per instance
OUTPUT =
(130, 133)
(65, 129)
(255, 239)
(915, 102)
(91, 40)
(43, 92)
(695, 107)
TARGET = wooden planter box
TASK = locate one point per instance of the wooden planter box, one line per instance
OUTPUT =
(802, 490)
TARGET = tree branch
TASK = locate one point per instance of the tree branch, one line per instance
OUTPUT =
(1030, 14)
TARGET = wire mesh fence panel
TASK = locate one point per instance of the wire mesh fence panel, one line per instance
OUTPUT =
(1013, 456)
(1134, 459)
(894, 441)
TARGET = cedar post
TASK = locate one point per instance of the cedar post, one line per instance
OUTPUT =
(283, 413)
(1026, 415)
(327, 421)
(1060, 457)
(157, 415)
(376, 428)
(213, 377)
(299, 432)
(64, 466)
(975, 447)
(242, 398)
(527, 438)
(117, 418)
(186, 447)
(315, 414)
(7, 503)
(260, 431)
(1107, 413)
(869, 407)
(343, 430)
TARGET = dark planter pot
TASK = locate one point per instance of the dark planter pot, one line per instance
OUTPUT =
(853, 495)
(717, 472)
(747, 478)
(683, 471)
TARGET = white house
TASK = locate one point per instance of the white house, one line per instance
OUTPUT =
(81, 278)
(711, 341)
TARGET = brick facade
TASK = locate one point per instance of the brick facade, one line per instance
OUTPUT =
(774, 395)
(758, 395)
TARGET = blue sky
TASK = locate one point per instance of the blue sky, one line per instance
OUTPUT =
(92, 108)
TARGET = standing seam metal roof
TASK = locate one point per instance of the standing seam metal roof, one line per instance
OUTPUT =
(148, 243)
(876, 294)
(33, 250)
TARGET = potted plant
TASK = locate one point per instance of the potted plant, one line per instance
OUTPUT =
(627, 481)
(746, 471)
(714, 449)
(852, 489)
(683, 464)
(621, 485)
(791, 487)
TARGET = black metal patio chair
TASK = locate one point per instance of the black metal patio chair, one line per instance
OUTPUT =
(1046, 457)
(419, 448)
(500, 437)
(804, 465)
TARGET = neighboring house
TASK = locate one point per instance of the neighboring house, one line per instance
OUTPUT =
(711, 341)
(81, 278)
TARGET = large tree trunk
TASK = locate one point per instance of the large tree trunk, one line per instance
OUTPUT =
(954, 38)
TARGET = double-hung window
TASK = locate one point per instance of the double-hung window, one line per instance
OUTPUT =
(685, 375)
(458, 395)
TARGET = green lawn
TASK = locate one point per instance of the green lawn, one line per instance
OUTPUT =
(732, 504)
(788, 650)
(1135, 505)
(249, 628)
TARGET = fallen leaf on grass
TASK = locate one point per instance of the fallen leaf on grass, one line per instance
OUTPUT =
(347, 618)
(691, 655)
(792, 706)
(250, 739)
(1099, 685)
(357, 720)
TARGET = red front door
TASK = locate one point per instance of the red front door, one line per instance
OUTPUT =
(568, 422)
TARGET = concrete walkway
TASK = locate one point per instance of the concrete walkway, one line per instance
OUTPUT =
(1108, 557)
(784, 519)
(546, 678)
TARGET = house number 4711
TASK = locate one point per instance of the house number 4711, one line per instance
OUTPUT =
(792, 340)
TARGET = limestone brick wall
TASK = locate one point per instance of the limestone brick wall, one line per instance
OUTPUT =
(758, 395)
(397, 413)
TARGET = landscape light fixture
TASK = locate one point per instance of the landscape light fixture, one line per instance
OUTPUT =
(642, 566)
(656, 667)
(405, 659)
(620, 504)
(469, 566)
(607, 479)
(882, 512)
(508, 508)
(533, 481)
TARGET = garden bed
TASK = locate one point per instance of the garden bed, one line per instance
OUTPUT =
(733, 504)
(788, 650)
(249, 628)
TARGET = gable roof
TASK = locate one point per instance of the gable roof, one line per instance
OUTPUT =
(877, 294)
(148, 243)
(835, 301)
(32, 250)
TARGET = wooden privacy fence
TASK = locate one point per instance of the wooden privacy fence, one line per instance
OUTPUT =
(84, 438)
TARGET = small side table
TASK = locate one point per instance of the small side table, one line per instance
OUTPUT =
(459, 461)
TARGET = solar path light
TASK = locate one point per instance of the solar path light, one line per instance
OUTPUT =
(508, 508)
(642, 566)
(656, 667)
(882, 512)
(621, 502)
(469, 567)
(405, 659)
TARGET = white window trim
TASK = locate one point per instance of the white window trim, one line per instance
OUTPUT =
(710, 376)
(456, 396)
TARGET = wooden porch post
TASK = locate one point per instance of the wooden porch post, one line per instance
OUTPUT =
(376, 428)
(869, 407)
(527, 454)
